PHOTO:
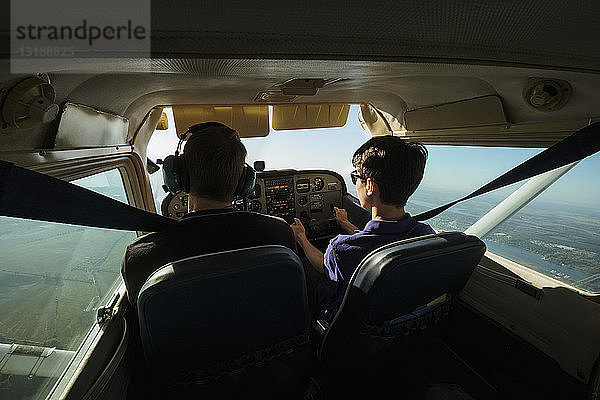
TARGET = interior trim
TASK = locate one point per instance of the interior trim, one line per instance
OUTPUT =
(548, 322)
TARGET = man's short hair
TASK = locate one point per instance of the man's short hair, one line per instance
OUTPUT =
(396, 165)
(214, 158)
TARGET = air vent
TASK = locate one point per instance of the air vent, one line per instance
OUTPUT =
(28, 103)
(290, 90)
(274, 96)
(301, 86)
(547, 94)
(304, 86)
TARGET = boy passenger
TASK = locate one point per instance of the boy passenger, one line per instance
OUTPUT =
(388, 171)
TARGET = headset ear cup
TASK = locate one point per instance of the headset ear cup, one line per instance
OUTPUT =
(169, 177)
(184, 177)
(246, 183)
(175, 174)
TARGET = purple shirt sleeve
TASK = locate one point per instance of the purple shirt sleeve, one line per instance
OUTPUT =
(330, 261)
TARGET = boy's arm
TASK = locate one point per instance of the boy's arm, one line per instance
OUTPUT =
(312, 253)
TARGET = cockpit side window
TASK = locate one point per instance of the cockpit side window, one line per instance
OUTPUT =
(557, 233)
(53, 277)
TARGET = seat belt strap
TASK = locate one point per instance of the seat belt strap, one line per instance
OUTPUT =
(32, 195)
(579, 145)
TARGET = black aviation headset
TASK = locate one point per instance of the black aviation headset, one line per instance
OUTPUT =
(177, 178)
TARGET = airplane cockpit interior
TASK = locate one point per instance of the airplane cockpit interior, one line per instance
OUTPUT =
(115, 284)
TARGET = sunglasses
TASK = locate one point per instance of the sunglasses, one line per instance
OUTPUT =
(355, 176)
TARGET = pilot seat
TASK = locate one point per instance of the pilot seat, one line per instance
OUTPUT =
(233, 324)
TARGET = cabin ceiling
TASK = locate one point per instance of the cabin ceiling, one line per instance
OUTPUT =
(538, 32)
(397, 56)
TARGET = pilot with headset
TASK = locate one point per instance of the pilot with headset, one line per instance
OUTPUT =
(213, 171)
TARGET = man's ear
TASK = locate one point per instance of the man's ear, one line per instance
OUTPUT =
(371, 187)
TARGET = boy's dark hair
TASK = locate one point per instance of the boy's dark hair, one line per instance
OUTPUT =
(214, 158)
(396, 165)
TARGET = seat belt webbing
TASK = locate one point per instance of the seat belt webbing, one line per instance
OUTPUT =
(32, 195)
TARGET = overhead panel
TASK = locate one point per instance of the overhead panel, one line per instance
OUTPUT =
(552, 33)
(248, 121)
(309, 116)
(481, 111)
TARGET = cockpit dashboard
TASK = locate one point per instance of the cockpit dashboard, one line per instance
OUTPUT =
(309, 195)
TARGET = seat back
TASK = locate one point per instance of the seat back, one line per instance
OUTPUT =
(227, 324)
(399, 294)
(201, 233)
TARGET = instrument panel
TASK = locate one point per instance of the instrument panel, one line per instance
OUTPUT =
(288, 194)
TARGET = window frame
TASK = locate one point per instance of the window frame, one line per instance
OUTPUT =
(93, 339)
(70, 165)
(96, 339)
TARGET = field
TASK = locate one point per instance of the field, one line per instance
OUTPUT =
(52, 279)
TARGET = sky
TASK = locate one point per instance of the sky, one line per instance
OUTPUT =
(458, 168)
(465, 169)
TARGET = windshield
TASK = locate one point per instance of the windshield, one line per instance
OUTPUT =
(330, 148)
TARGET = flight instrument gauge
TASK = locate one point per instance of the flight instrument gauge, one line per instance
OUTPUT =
(303, 185)
(255, 206)
(239, 204)
(319, 183)
(302, 200)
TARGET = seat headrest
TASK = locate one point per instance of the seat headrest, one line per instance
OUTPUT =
(405, 275)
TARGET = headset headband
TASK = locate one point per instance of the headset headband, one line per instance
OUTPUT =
(197, 129)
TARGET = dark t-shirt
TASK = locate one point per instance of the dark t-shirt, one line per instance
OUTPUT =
(200, 233)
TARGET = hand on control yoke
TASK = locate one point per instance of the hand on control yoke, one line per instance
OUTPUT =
(314, 255)
(341, 216)
(299, 231)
